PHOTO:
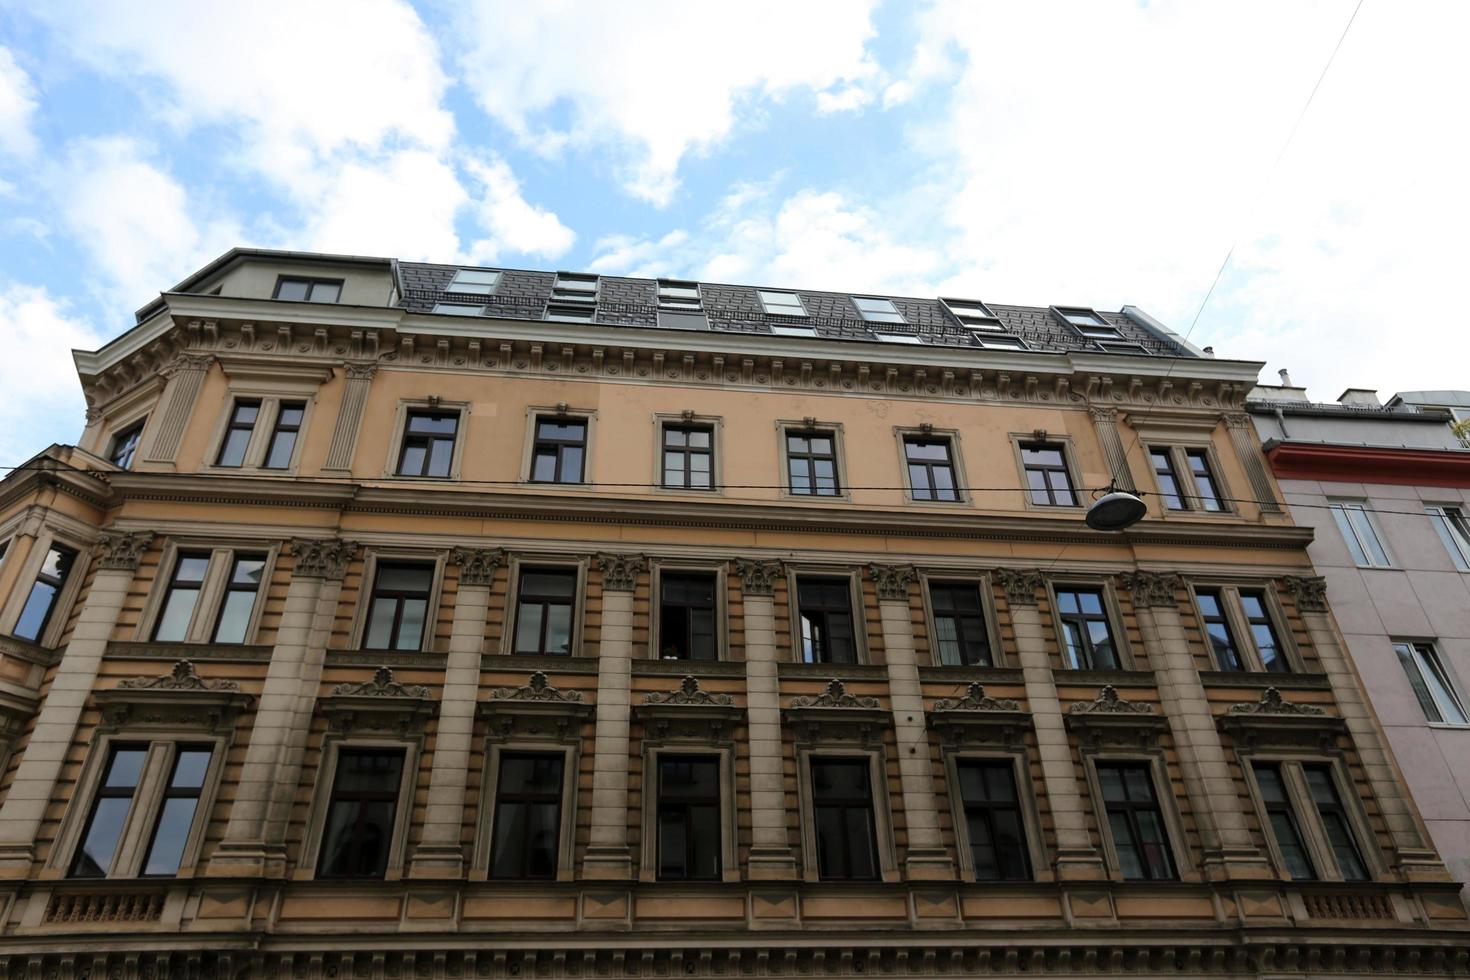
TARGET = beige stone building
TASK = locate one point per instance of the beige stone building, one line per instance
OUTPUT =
(404, 620)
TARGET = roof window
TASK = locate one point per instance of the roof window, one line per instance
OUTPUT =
(897, 338)
(1089, 322)
(876, 310)
(474, 281)
(675, 294)
(570, 314)
(972, 313)
(792, 330)
(573, 288)
(458, 309)
(781, 304)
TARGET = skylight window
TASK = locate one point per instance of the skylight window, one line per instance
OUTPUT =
(1122, 347)
(474, 281)
(876, 310)
(571, 288)
(897, 338)
(571, 314)
(1088, 321)
(999, 342)
(458, 309)
(782, 330)
(674, 294)
(972, 313)
(781, 304)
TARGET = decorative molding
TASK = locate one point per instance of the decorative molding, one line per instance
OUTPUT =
(1309, 591)
(31, 653)
(837, 716)
(1237, 420)
(321, 557)
(382, 685)
(1110, 702)
(1112, 721)
(1020, 584)
(360, 371)
(536, 710)
(798, 668)
(1248, 678)
(892, 581)
(758, 577)
(187, 362)
(122, 551)
(198, 652)
(688, 693)
(620, 572)
(539, 689)
(182, 678)
(834, 696)
(477, 566)
(1105, 421)
(1276, 722)
(979, 719)
(1247, 444)
(415, 659)
(501, 663)
(1152, 588)
(975, 699)
(1272, 703)
(677, 668)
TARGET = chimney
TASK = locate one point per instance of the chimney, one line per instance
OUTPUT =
(1360, 398)
(1285, 378)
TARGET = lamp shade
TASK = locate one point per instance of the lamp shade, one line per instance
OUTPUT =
(1115, 511)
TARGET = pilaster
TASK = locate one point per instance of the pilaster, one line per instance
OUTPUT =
(1105, 420)
(117, 557)
(185, 377)
(1076, 859)
(1247, 445)
(358, 379)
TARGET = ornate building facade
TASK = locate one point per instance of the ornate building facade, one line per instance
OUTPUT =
(394, 619)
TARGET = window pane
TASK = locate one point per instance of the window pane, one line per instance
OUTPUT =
(1368, 536)
(528, 629)
(380, 624)
(174, 822)
(294, 289)
(411, 626)
(178, 610)
(283, 444)
(126, 768)
(325, 292)
(1438, 683)
(559, 629)
(404, 578)
(232, 453)
(571, 464)
(95, 855)
(190, 769)
(543, 467)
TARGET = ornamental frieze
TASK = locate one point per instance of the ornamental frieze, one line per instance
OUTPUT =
(538, 689)
(976, 718)
(178, 699)
(1272, 703)
(183, 677)
(688, 693)
(1112, 721)
(379, 705)
(382, 685)
(975, 699)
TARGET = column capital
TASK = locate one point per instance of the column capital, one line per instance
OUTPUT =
(1309, 591)
(893, 581)
(1020, 584)
(1237, 420)
(187, 362)
(121, 551)
(360, 371)
(321, 557)
(1103, 414)
(1152, 588)
(477, 566)
(757, 577)
(620, 572)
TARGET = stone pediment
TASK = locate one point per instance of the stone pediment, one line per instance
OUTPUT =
(1274, 721)
(536, 709)
(178, 699)
(690, 713)
(379, 705)
(1112, 721)
(836, 715)
(976, 718)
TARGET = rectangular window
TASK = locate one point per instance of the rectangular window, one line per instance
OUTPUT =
(125, 446)
(876, 310)
(177, 810)
(110, 806)
(479, 281)
(1086, 632)
(999, 342)
(238, 603)
(1168, 479)
(238, 430)
(781, 304)
(931, 468)
(897, 338)
(1206, 490)
(972, 313)
(1047, 477)
(842, 810)
(1284, 825)
(785, 330)
(180, 598)
(1358, 531)
(457, 309)
(40, 604)
(571, 314)
(559, 452)
(1431, 684)
(1134, 819)
(400, 606)
(688, 457)
(687, 616)
(570, 288)
(997, 834)
(428, 443)
(811, 463)
(1335, 821)
(960, 636)
(674, 294)
(544, 611)
(360, 817)
(1088, 322)
(1122, 347)
(1454, 531)
(283, 437)
(688, 818)
(824, 606)
(1263, 632)
(527, 816)
(309, 290)
(1217, 630)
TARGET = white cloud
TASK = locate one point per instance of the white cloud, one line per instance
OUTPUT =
(403, 206)
(514, 224)
(137, 223)
(43, 402)
(654, 80)
(811, 239)
(17, 106)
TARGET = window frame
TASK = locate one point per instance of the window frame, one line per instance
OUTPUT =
(1453, 530)
(276, 428)
(663, 422)
(399, 597)
(1021, 441)
(311, 283)
(1020, 765)
(1111, 608)
(1184, 868)
(794, 575)
(52, 625)
(863, 314)
(236, 403)
(1314, 834)
(678, 304)
(982, 582)
(1230, 601)
(655, 750)
(1339, 507)
(205, 619)
(461, 270)
(534, 415)
(269, 387)
(371, 560)
(493, 814)
(1447, 678)
(1101, 323)
(655, 619)
(311, 843)
(522, 561)
(956, 460)
(766, 309)
(139, 828)
(398, 446)
(887, 856)
(135, 426)
(803, 427)
(971, 322)
(1294, 812)
(484, 844)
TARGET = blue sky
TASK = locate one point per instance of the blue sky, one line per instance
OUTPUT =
(1082, 152)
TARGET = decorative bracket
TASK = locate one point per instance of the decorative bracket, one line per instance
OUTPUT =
(1309, 591)
(1152, 588)
(322, 557)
